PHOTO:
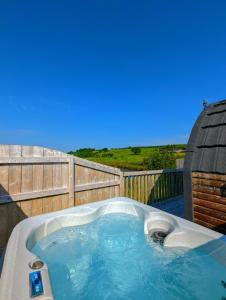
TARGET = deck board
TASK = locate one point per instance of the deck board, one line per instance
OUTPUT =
(173, 206)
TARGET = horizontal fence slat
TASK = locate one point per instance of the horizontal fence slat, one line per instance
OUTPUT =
(151, 172)
(32, 195)
(96, 185)
(96, 166)
(32, 160)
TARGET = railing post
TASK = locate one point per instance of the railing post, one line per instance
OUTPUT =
(71, 181)
(122, 192)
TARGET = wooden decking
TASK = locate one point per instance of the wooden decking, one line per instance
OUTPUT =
(174, 206)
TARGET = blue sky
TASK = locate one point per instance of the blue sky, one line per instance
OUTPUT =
(108, 73)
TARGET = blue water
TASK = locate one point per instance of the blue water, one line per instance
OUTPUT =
(111, 258)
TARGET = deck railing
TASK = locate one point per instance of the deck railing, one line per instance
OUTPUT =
(150, 187)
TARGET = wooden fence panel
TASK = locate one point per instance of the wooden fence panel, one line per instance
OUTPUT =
(92, 184)
(37, 180)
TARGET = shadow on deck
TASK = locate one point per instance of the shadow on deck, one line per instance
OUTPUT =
(173, 206)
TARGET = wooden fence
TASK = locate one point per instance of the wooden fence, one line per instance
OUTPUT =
(150, 187)
(37, 180)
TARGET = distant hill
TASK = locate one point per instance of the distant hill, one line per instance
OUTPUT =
(130, 158)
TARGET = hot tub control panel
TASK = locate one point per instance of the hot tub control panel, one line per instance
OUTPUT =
(36, 284)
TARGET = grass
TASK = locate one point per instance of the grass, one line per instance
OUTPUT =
(125, 159)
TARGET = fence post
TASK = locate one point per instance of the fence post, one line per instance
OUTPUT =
(122, 194)
(71, 181)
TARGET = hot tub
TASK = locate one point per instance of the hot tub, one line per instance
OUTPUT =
(113, 249)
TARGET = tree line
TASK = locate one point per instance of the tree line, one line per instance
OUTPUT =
(163, 157)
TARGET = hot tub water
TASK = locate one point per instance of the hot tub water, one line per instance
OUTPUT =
(111, 258)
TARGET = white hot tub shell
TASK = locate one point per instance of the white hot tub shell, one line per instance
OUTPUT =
(14, 282)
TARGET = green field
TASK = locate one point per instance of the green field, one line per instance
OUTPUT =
(124, 158)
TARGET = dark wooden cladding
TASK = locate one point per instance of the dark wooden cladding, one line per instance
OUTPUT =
(209, 204)
(207, 189)
(211, 226)
(205, 164)
(208, 182)
(209, 200)
(209, 197)
(210, 212)
(203, 223)
(210, 176)
(215, 222)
